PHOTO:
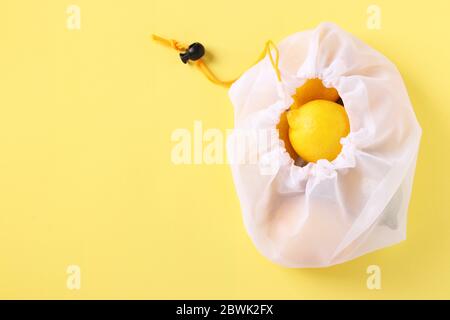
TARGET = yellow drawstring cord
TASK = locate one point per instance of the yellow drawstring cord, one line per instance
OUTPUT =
(201, 65)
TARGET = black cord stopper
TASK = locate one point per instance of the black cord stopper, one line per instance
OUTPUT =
(194, 52)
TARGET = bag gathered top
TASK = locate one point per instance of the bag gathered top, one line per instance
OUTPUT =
(334, 182)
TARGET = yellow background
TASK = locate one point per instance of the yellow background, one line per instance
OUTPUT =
(86, 176)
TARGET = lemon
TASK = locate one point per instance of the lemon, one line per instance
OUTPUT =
(313, 89)
(283, 131)
(315, 129)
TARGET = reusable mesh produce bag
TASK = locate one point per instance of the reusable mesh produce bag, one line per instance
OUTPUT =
(326, 213)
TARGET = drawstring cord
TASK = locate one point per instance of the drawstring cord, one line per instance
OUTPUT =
(202, 66)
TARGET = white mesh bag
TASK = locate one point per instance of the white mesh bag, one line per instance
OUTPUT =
(326, 213)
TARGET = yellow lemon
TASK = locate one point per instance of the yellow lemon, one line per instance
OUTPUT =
(283, 131)
(315, 129)
(313, 89)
